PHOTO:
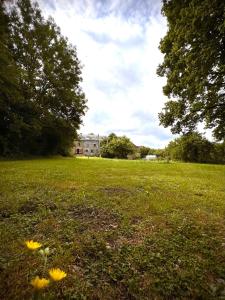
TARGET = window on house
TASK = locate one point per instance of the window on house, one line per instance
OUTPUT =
(92, 151)
(94, 145)
(86, 150)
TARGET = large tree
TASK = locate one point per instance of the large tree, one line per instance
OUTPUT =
(190, 147)
(194, 64)
(51, 102)
(10, 121)
(116, 147)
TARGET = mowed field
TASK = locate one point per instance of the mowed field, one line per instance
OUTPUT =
(119, 229)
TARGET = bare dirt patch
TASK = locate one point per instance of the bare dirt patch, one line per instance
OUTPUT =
(95, 218)
(29, 206)
(5, 212)
(135, 220)
(115, 191)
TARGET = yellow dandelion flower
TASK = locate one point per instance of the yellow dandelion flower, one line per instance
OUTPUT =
(39, 283)
(57, 274)
(32, 245)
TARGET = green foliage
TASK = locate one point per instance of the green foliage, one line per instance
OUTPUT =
(193, 147)
(116, 147)
(160, 153)
(10, 97)
(218, 153)
(46, 112)
(144, 151)
(194, 64)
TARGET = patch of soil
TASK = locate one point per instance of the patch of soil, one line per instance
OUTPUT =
(95, 218)
(110, 191)
(198, 194)
(30, 206)
(139, 233)
(136, 220)
(5, 213)
(50, 205)
(155, 188)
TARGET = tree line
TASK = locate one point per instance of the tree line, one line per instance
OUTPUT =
(191, 147)
(41, 100)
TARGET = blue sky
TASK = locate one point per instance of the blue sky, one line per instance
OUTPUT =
(117, 42)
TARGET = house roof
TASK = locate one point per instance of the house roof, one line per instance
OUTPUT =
(90, 137)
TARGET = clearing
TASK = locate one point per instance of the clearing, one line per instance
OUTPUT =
(119, 229)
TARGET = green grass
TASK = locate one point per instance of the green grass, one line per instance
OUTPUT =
(120, 229)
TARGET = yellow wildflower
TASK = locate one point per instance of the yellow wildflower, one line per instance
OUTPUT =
(39, 283)
(32, 245)
(57, 274)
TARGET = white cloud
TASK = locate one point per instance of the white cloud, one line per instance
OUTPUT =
(120, 56)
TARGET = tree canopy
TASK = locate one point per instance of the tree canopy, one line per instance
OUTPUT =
(191, 147)
(194, 64)
(9, 88)
(43, 103)
(116, 147)
(144, 151)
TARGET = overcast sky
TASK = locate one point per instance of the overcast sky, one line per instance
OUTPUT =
(117, 42)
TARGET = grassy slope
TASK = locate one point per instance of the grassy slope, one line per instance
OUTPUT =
(120, 229)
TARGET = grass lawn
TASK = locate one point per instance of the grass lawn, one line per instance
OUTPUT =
(119, 229)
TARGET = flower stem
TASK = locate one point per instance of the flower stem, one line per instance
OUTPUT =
(45, 264)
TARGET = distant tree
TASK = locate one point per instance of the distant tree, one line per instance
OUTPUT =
(116, 147)
(160, 153)
(122, 146)
(218, 153)
(191, 147)
(194, 64)
(106, 149)
(151, 151)
(144, 151)
(111, 136)
(50, 102)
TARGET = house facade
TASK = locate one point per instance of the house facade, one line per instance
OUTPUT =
(87, 145)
